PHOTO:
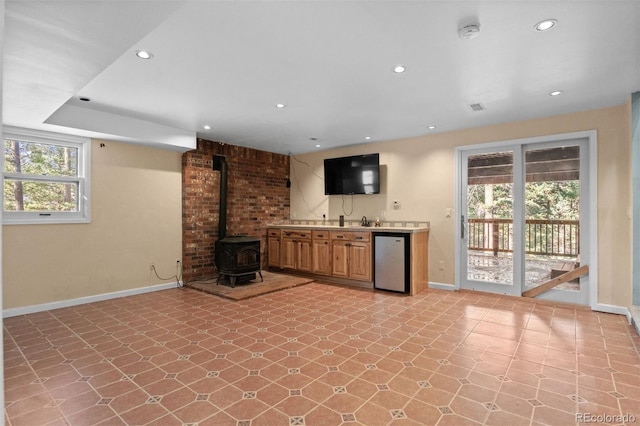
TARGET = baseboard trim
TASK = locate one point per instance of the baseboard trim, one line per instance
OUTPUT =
(13, 312)
(612, 309)
(441, 286)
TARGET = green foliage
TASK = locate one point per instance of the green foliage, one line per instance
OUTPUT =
(27, 159)
(501, 207)
(543, 200)
(553, 200)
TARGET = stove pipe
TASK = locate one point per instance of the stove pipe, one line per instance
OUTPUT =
(220, 164)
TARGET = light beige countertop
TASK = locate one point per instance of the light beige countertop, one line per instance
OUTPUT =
(395, 226)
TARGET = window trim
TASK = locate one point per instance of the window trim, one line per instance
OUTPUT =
(83, 145)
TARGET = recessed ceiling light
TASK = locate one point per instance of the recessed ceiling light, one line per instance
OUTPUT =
(398, 69)
(206, 127)
(144, 54)
(545, 25)
(556, 93)
(431, 127)
(84, 99)
(280, 105)
(317, 145)
(367, 137)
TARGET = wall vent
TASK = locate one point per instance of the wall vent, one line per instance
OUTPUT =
(477, 107)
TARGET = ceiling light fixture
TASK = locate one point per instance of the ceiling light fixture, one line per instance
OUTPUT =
(556, 93)
(545, 25)
(317, 145)
(206, 127)
(431, 127)
(367, 137)
(399, 69)
(280, 105)
(144, 54)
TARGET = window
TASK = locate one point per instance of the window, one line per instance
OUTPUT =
(46, 177)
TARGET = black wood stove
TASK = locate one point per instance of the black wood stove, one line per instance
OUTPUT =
(237, 257)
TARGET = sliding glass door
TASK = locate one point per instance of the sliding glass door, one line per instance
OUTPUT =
(522, 218)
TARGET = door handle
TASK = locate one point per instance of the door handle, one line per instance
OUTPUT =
(462, 226)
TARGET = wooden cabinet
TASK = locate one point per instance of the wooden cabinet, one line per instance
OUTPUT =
(321, 252)
(341, 255)
(351, 255)
(360, 261)
(273, 248)
(296, 250)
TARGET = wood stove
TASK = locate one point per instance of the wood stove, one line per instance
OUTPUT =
(238, 258)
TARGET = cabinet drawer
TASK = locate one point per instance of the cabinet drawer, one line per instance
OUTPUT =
(300, 234)
(320, 235)
(273, 233)
(351, 236)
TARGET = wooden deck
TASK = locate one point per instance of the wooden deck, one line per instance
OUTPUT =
(487, 267)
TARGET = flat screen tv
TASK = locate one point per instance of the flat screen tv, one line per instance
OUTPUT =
(358, 174)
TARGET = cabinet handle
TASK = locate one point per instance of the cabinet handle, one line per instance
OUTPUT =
(358, 237)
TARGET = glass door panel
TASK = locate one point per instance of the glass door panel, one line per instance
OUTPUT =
(552, 215)
(489, 220)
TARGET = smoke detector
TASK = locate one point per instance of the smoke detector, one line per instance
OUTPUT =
(467, 32)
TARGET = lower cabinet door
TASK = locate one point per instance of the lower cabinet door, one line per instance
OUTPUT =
(274, 252)
(360, 261)
(304, 256)
(340, 259)
(288, 253)
(321, 257)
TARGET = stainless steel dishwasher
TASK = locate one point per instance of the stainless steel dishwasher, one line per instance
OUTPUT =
(391, 261)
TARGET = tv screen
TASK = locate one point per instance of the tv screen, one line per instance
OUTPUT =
(359, 174)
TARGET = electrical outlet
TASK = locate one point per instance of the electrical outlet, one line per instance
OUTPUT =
(441, 265)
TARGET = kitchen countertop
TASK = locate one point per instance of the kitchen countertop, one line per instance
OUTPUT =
(396, 227)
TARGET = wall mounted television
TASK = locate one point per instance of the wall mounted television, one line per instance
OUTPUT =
(358, 174)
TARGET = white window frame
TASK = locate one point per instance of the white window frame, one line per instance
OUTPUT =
(83, 145)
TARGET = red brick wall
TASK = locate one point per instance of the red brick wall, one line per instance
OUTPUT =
(257, 195)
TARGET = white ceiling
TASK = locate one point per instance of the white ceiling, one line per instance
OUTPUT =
(227, 63)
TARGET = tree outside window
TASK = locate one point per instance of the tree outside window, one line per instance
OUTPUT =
(44, 179)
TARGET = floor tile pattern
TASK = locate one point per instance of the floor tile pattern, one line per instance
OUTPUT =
(320, 355)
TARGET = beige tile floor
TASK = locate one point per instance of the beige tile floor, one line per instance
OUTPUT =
(320, 355)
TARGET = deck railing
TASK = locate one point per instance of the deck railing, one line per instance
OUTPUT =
(544, 237)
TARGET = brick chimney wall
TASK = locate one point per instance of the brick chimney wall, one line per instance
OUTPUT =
(257, 195)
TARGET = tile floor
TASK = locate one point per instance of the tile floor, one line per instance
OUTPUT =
(320, 355)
